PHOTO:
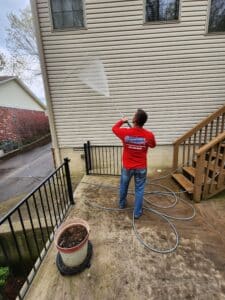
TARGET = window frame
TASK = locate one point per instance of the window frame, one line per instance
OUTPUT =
(75, 28)
(207, 22)
(161, 22)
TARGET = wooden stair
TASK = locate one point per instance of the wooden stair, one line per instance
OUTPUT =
(186, 184)
(186, 179)
(201, 151)
(191, 171)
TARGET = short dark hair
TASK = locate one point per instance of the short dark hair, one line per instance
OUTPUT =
(141, 117)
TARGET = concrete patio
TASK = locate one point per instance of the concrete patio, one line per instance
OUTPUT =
(121, 268)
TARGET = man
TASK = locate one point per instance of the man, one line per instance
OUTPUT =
(136, 141)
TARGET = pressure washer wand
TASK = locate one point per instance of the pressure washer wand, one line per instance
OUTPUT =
(129, 125)
(122, 115)
(127, 122)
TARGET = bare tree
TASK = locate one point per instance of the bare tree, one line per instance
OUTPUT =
(12, 66)
(2, 62)
(21, 35)
(22, 57)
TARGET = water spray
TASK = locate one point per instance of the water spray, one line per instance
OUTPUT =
(94, 76)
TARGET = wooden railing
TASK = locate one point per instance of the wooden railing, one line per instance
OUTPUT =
(186, 146)
(210, 169)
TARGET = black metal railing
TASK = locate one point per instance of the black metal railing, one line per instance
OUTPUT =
(102, 160)
(27, 230)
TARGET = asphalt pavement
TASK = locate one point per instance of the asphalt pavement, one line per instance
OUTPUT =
(22, 173)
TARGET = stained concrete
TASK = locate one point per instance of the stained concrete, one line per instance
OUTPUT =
(121, 268)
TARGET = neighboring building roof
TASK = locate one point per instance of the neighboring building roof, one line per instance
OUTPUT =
(4, 79)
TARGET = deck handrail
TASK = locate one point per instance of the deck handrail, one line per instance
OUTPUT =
(200, 125)
(198, 136)
(211, 144)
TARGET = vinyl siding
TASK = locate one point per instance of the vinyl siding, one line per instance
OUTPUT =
(175, 71)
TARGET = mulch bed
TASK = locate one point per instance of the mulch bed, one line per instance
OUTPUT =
(12, 287)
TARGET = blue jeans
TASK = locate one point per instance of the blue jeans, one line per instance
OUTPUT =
(139, 180)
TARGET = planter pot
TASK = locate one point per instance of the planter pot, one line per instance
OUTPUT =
(2, 153)
(75, 255)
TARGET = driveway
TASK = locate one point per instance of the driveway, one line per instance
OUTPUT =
(20, 174)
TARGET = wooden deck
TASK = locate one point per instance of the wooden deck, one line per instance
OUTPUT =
(122, 269)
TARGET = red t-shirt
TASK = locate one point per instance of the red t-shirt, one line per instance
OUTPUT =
(136, 141)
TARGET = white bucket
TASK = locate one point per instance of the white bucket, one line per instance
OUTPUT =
(73, 256)
(2, 153)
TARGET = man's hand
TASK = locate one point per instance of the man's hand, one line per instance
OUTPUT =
(125, 119)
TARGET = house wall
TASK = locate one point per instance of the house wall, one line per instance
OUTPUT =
(158, 158)
(22, 124)
(12, 95)
(174, 70)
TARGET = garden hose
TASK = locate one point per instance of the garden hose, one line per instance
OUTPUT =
(162, 215)
(140, 239)
(162, 193)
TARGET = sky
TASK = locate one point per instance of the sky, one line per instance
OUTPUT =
(7, 6)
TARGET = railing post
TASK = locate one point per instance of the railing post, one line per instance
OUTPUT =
(199, 178)
(89, 155)
(86, 158)
(175, 156)
(68, 180)
(221, 170)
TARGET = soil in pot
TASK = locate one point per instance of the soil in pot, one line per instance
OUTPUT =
(72, 236)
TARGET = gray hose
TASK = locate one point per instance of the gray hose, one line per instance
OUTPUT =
(162, 251)
(161, 215)
(179, 218)
(159, 193)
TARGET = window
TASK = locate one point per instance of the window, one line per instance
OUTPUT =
(162, 10)
(67, 13)
(217, 16)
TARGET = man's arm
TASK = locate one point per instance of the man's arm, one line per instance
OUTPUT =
(151, 140)
(118, 131)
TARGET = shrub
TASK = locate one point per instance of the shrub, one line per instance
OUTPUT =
(4, 273)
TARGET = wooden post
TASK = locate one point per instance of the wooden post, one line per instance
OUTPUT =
(189, 151)
(216, 149)
(184, 153)
(175, 156)
(199, 176)
(222, 123)
(206, 171)
(221, 172)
